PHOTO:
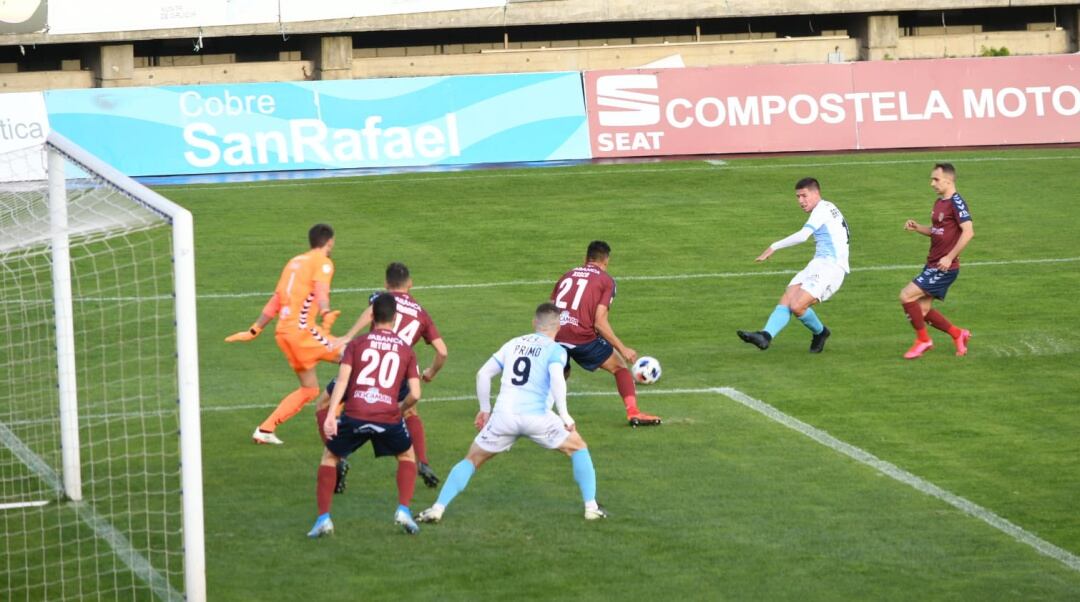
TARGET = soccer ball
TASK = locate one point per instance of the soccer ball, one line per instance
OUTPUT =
(646, 370)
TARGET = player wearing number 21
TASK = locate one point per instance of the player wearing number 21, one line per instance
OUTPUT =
(532, 380)
(584, 296)
(372, 369)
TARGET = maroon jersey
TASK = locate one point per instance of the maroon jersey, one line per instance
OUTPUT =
(578, 293)
(380, 362)
(413, 322)
(945, 220)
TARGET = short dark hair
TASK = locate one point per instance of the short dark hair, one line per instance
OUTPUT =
(597, 250)
(547, 315)
(946, 168)
(383, 308)
(547, 308)
(319, 235)
(808, 183)
(397, 274)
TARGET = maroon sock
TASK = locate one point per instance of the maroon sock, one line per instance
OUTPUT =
(320, 418)
(624, 381)
(324, 490)
(915, 315)
(406, 481)
(942, 323)
(416, 433)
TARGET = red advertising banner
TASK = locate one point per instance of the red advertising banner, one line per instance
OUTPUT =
(880, 104)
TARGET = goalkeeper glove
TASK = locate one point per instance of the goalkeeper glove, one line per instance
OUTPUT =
(328, 319)
(244, 335)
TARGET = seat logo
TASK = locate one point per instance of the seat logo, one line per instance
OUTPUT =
(628, 95)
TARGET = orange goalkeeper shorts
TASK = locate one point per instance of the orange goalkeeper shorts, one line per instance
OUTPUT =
(304, 350)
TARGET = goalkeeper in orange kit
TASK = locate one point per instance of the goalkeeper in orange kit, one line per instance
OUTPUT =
(302, 291)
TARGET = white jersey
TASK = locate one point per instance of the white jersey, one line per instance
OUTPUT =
(830, 233)
(525, 385)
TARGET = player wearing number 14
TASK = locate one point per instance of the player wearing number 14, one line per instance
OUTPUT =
(372, 369)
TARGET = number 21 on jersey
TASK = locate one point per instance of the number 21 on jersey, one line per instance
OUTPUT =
(565, 286)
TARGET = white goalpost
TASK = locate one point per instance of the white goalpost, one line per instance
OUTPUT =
(100, 457)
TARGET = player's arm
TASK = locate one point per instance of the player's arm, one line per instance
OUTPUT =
(268, 312)
(322, 301)
(330, 424)
(967, 232)
(790, 241)
(361, 323)
(489, 370)
(414, 393)
(558, 391)
(914, 226)
(438, 362)
(604, 328)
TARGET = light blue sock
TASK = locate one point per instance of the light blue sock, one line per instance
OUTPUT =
(584, 474)
(778, 320)
(405, 509)
(811, 321)
(456, 482)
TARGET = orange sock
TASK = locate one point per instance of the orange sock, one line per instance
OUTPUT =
(288, 407)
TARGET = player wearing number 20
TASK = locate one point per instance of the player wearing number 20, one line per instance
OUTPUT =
(373, 367)
(532, 379)
(584, 296)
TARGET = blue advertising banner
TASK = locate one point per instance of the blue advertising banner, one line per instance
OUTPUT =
(328, 124)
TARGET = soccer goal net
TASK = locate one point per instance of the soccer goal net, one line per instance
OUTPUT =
(100, 466)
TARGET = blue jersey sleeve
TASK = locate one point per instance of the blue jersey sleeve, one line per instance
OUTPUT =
(963, 214)
(557, 356)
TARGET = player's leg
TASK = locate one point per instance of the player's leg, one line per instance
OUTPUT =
(303, 363)
(584, 473)
(456, 482)
(322, 408)
(324, 494)
(916, 303)
(778, 319)
(498, 435)
(416, 433)
(801, 304)
(936, 319)
(624, 383)
(406, 485)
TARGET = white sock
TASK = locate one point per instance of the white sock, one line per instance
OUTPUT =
(591, 505)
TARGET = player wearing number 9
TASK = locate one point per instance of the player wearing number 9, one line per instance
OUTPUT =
(372, 369)
(532, 381)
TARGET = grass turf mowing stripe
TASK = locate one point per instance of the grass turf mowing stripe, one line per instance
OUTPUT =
(321, 179)
(968, 507)
(632, 278)
(102, 528)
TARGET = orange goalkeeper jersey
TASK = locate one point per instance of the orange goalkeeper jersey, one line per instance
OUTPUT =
(304, 277)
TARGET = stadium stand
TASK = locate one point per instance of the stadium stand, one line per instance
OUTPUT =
(538, 35)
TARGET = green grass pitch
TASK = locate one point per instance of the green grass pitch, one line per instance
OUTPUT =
(719, 502)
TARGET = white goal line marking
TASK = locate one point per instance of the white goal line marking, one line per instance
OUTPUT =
(102, 528)
(710, 165)
(632, 278)
(860, 455)
(17, 505)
